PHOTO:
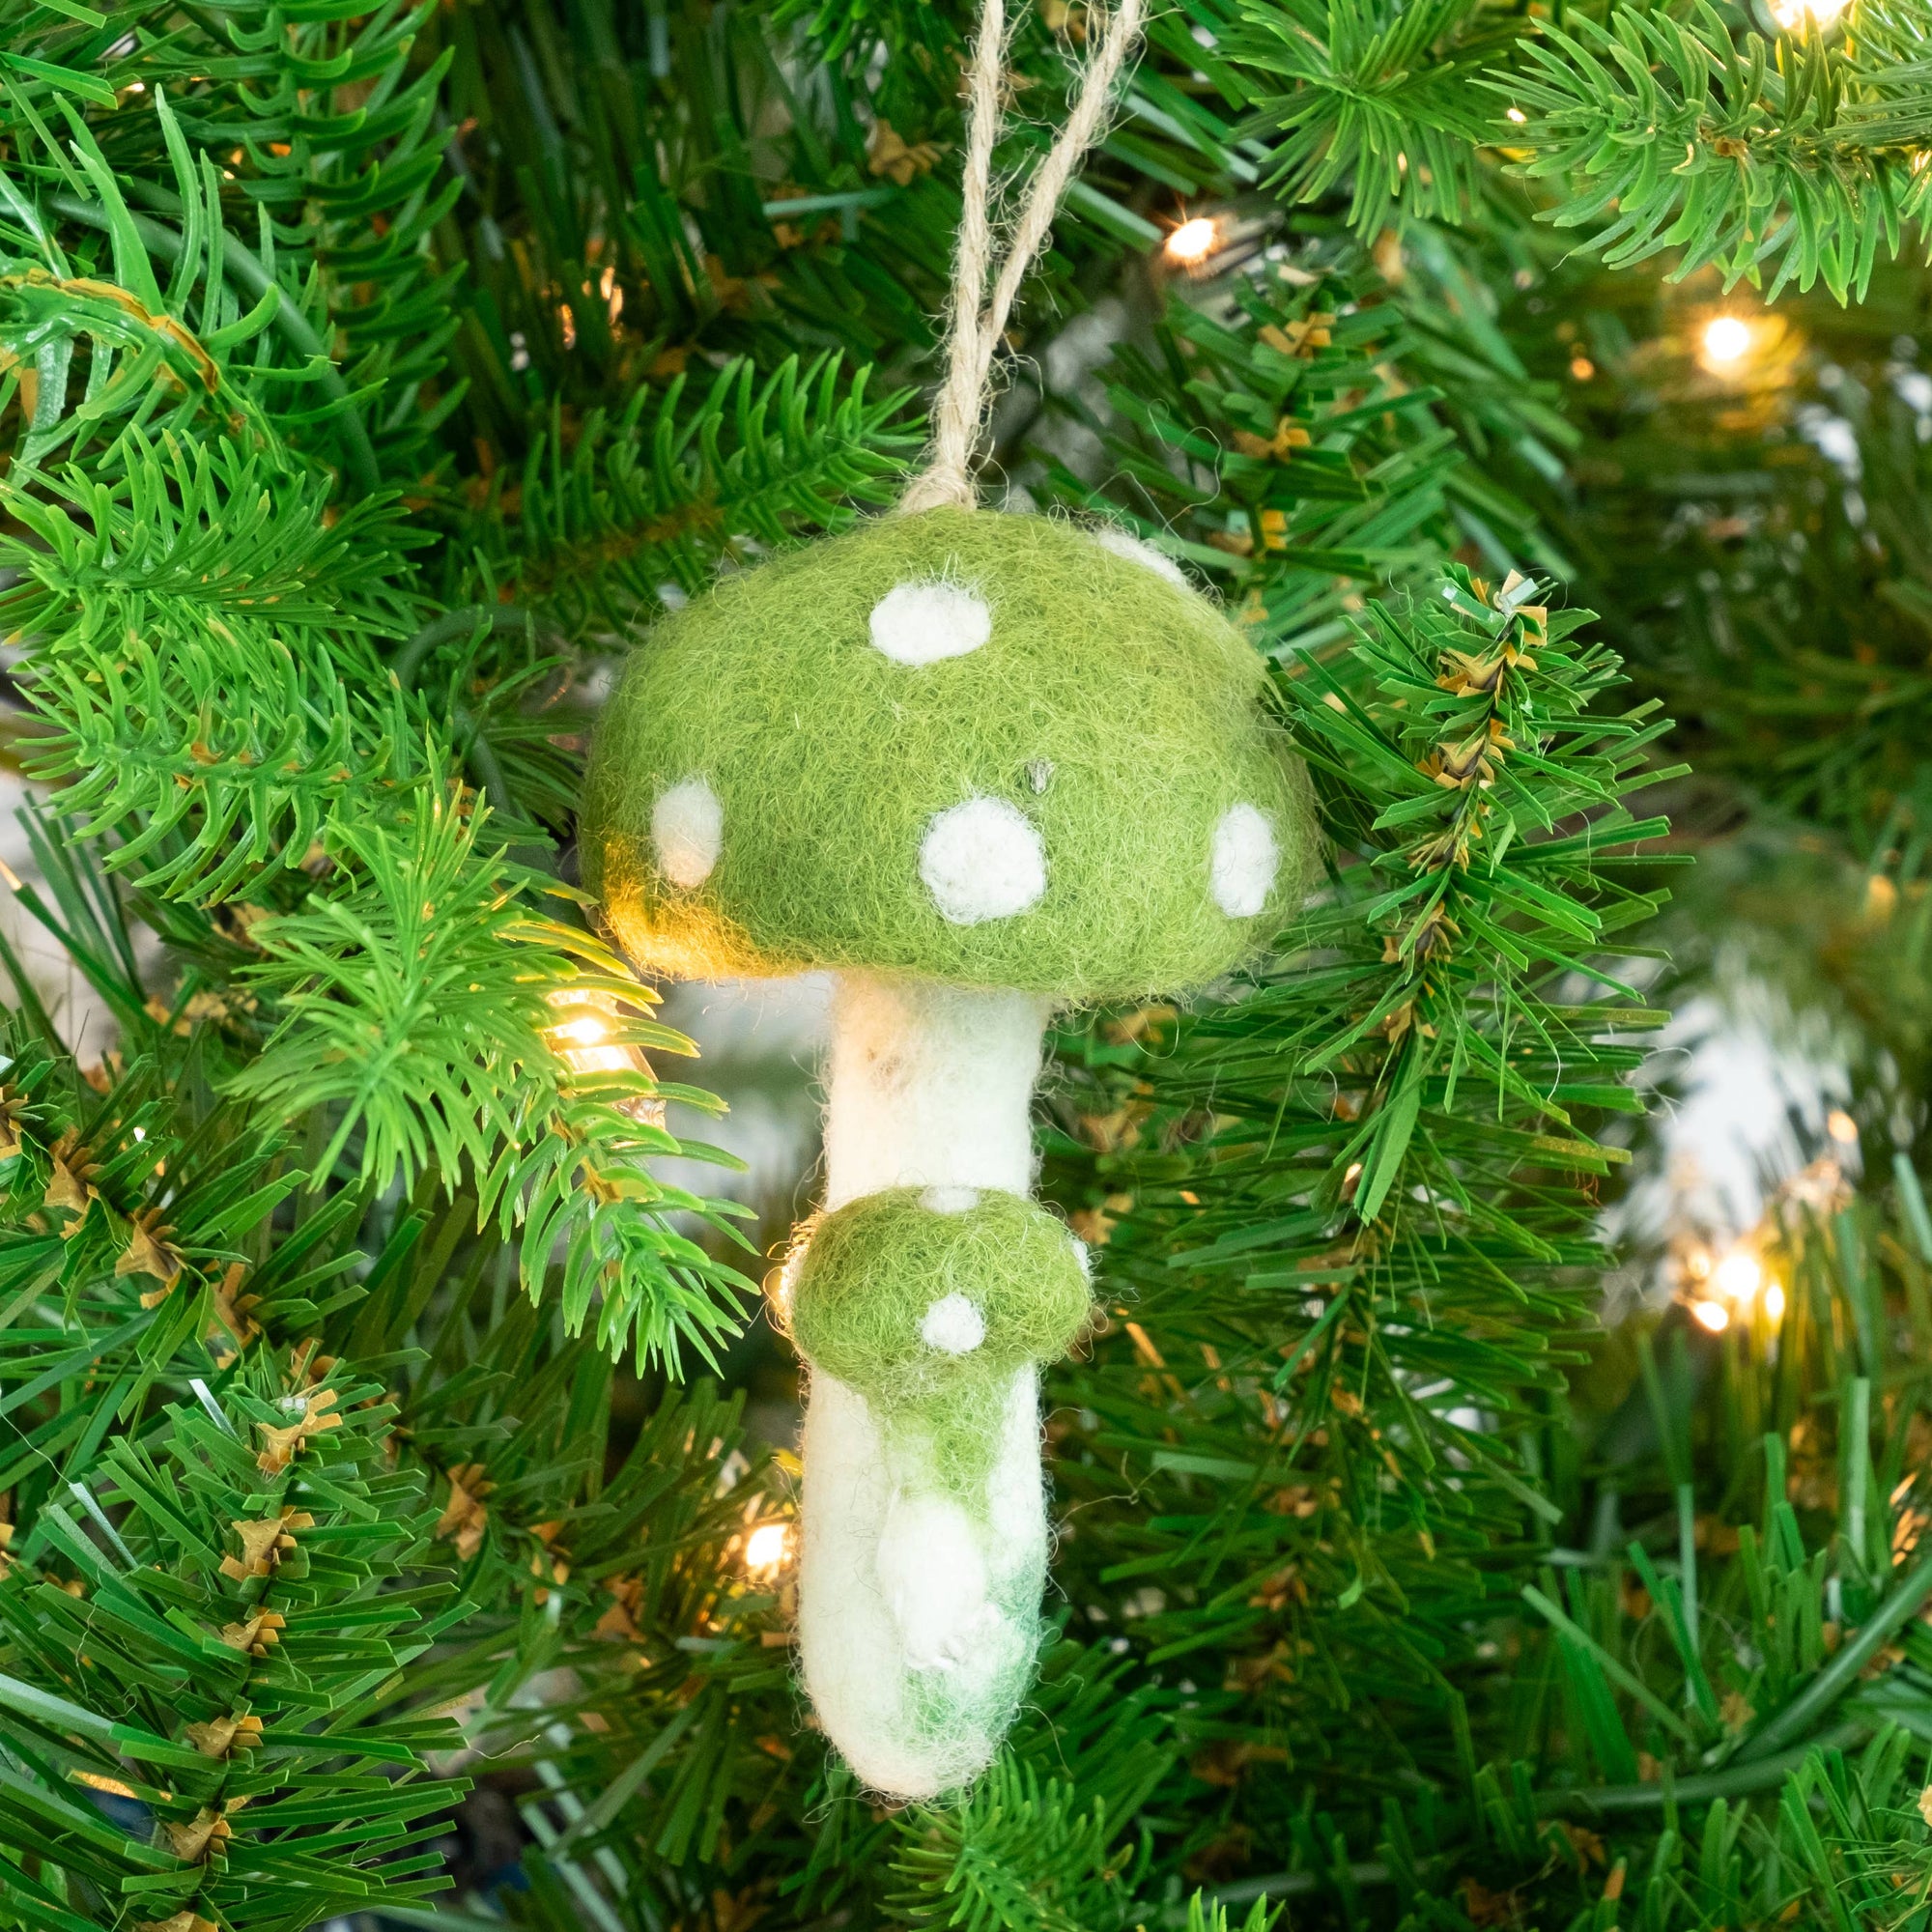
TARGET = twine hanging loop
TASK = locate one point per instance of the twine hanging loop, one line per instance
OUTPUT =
(978, 318)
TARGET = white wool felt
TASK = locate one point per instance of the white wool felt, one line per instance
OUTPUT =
(1123, 543)
(922, 623)
(950, 1200)
(931, 1564)
(688, 830)
(918, 1625)
(1017, 1494)
(1243, 862)
(919, 1612)
(930, 1086)
(983, 859)
(953, 1326)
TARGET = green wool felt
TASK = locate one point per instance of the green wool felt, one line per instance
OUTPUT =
(1119, 714)
(871, 1276)
(1006, 1655)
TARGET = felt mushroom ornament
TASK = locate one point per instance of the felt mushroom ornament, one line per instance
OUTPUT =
(979, 766)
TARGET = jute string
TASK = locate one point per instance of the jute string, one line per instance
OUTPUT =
(978, 319)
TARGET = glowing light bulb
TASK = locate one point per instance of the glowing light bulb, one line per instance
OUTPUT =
(1774, 1302)
(1713, 1316)
(1516, 114)
(1840, 1126)
(1740, 1275)
(586, 1042)
(767, 1547)
(1793, 14)
(1727, 341)
(1193, 241)
(587, 1047)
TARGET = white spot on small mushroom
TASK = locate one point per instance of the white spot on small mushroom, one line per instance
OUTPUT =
(688, 830)
(1244, 860)
(953, 1326)
(1123, 543)
(950, 1200)
(921, 623)
(983, 860)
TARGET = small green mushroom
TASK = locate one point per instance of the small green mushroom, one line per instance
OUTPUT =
(927, 1301)
(982, 766)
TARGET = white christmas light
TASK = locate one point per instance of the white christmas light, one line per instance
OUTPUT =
(588, 1039)
(584, 1042)
(1193, 241)
(1739, 1276)
(1726, 342)
(767, 1547)
(1793, 15)
(1711, 1315)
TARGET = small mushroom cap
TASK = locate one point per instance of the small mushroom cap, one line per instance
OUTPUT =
(927, 1305)
(993, 750)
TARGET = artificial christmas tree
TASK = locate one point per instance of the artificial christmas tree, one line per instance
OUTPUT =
(380, 1533)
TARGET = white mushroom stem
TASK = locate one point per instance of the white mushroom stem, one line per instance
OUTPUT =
(917, 1625)
(930, 1086)
(917, 1614)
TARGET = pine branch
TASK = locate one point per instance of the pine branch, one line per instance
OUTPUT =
(189, 664)
(1016, 1857)
(358, 191)
(1665, 134)
(1785, 613)
(421, 1013)
(1306, 440)
(1358, 1199)
(218, 1650)
(1380, 102)
(130, 1227)
(595, 531)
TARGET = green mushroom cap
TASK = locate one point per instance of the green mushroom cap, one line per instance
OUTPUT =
(997, 750)
(928, 1300)
(904, 1294)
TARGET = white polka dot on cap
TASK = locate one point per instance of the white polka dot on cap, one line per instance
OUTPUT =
(1243, 860)
(688, 831)
(983, 860)
(1123, 543)
(922, 623)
